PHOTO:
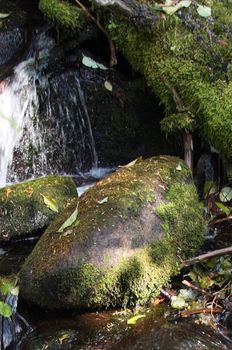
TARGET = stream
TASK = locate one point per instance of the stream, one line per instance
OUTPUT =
(106, 330)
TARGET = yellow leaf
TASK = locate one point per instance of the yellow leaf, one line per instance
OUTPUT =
(50, 202)
(134, 319)
(63, 337)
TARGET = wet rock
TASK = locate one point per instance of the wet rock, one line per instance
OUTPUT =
(130, 232)
(23, 208)
(12, 32)
(181, 335)
(91, 117)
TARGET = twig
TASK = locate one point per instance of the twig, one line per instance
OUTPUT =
(198, 289)
(177, 99)
(187, 313)
(113, 59)
(223, 219)
(188, 142)
(206, 256)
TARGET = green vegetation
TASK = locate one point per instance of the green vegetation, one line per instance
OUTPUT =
(63, 14)
(185, 60)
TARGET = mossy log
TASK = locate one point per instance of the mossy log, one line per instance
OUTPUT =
(130, 235)
(28, 208)
(186, 60)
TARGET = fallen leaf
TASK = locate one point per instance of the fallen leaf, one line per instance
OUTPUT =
(225, 194)
(108, 86)
(63, 337)
(4, 15)
(50, 202)
(178, 302)
(70, 221)
(204, 11)
(29, 191)
(130, 164)
(134, 319)
(179, 167)
(157, 301)
(104, 200)
(90, 63)
(8, 192)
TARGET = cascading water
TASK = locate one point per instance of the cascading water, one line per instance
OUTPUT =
(44, 121)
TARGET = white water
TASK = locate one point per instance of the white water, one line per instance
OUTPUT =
(21, 128)
(16, 105)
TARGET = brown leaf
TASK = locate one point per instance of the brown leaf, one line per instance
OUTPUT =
(8, 192)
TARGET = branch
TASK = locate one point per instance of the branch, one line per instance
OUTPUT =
(198, 289)
(187, 313)
(177, 99)
(206, 256)
(113, 59)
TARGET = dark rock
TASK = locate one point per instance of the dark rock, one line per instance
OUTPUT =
(23, 211)
(12, 32)
(131, 230)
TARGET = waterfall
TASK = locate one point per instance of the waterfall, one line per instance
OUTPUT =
(16, 105)
(44, 121)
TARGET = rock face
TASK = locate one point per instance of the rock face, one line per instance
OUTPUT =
(126, 242)
(12, 33)
(28, 208)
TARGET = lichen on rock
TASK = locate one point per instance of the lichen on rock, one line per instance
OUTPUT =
(131, 231)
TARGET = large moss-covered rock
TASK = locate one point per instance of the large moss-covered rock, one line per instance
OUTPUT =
(27, 208)
(131, 231)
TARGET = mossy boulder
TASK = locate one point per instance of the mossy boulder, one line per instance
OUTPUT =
(12, 32)
(28, 208)
(130, 234)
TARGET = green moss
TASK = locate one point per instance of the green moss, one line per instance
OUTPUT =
(22, 207)
(191, 55)
(63, 14)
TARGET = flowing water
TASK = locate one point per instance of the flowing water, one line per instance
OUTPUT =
(45, 126)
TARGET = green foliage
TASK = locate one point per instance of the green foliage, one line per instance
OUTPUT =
(5, 309)
(62, 14)
(177, 122)
(7, 286)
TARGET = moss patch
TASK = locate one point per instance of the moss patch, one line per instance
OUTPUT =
(63, 14)
(22, 207)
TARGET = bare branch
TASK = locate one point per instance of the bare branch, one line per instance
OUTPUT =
(113, 59)
(207, 256)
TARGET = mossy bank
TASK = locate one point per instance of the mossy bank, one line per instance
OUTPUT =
(186, 60)
(130, 234)
(28, 208)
